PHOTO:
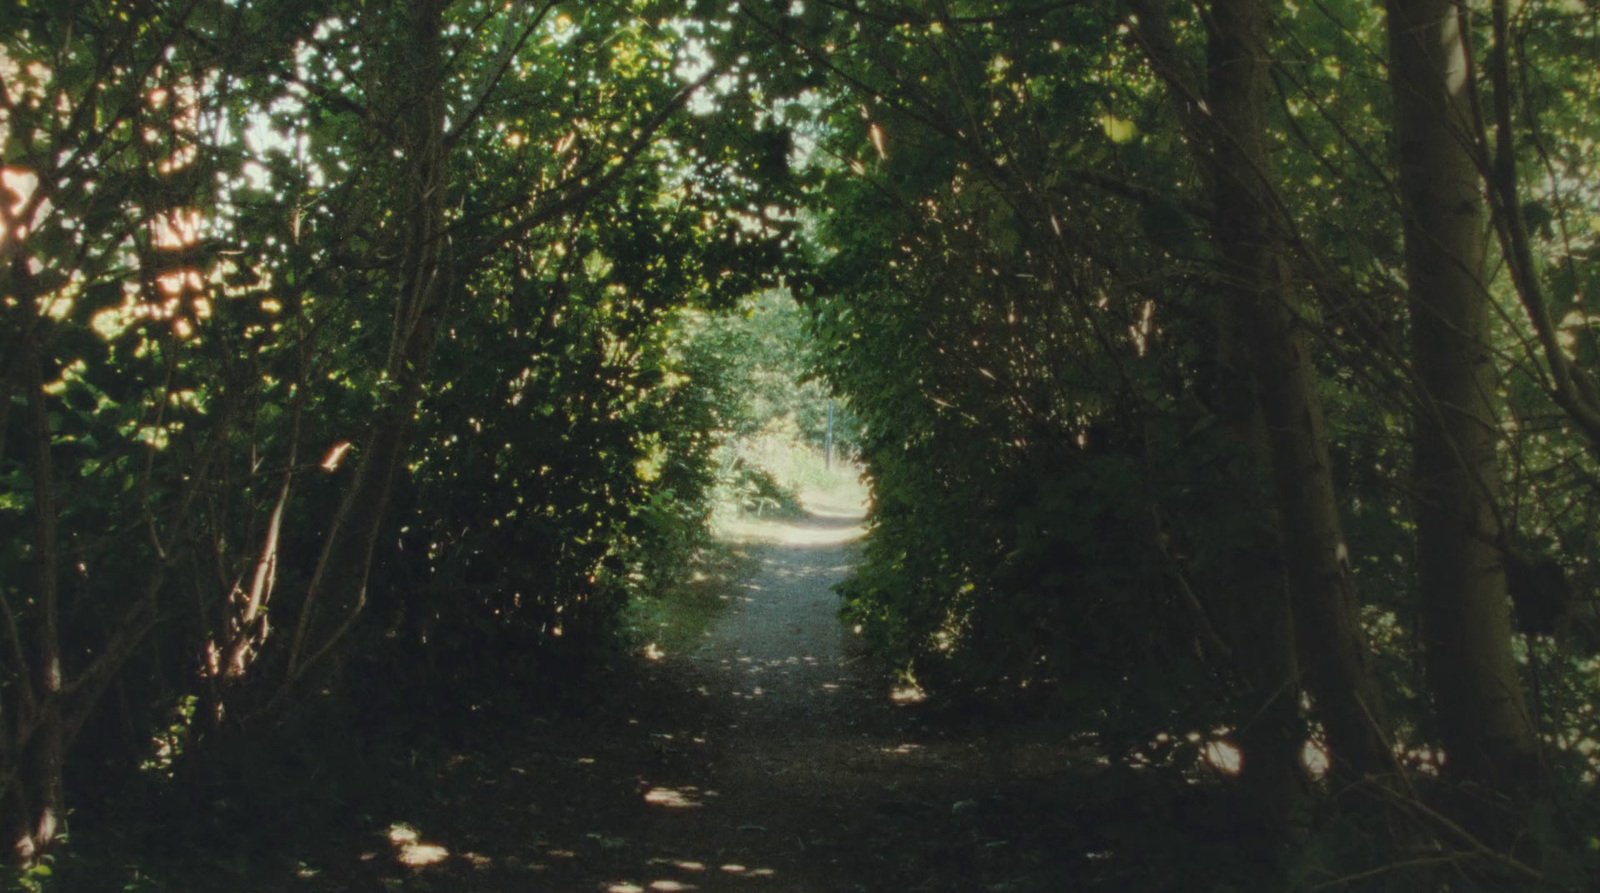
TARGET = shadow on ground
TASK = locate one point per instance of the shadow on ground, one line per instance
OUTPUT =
(767, 759)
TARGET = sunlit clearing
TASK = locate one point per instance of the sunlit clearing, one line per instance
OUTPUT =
(908, 694)
(409, 850)
(1223, 757)
(672, 798)
(793, 534)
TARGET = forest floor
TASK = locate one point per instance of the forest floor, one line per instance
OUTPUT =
(768, 758)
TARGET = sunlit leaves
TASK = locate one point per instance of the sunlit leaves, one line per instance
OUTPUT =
(1118, 130)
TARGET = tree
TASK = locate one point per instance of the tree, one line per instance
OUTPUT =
(106, 173)
(1264, 355)
(1484, 721)
(229, 266)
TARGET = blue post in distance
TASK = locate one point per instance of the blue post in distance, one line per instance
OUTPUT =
(827, 462)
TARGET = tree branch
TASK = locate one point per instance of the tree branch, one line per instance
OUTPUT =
(1572, 391)
(493, 80)
(582, 187)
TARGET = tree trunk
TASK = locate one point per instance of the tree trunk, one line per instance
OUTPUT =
(1248, 233)
(343, 569)
(40, 801)
(1258, 615)
(1229, 135)
(1487, 733)
(1274, 786)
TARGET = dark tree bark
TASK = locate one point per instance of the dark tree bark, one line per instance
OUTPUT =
(39, 810)
(1488, 735)
(1261, 311)
(338, 586)
(1249, 233)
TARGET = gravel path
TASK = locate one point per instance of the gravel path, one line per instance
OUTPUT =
(767, 760)
(817, 776)
(779, 654)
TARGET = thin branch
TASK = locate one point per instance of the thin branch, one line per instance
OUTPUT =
(19, 652)
(493, 82)
(45, 521)
(1573, 391)
(1391, 868)
(581, 188)
(1474, 843)
(904, 16)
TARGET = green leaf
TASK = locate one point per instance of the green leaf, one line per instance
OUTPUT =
(1537, 217)
(1119, 130)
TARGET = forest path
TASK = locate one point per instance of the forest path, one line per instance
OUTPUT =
(768, 760)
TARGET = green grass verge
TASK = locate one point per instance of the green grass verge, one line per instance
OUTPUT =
(678, 619)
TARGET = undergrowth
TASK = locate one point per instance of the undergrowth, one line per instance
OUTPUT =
(679, 616)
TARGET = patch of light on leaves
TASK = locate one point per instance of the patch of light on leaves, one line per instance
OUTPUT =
(1223, 757)
(20, 184)
(1315, 758)
(1119, 130)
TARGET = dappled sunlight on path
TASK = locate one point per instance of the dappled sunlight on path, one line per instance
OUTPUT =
(768, 759)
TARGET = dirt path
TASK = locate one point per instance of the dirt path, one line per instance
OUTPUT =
(768, 760)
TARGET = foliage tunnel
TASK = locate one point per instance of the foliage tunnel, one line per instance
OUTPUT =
(1226, 373)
